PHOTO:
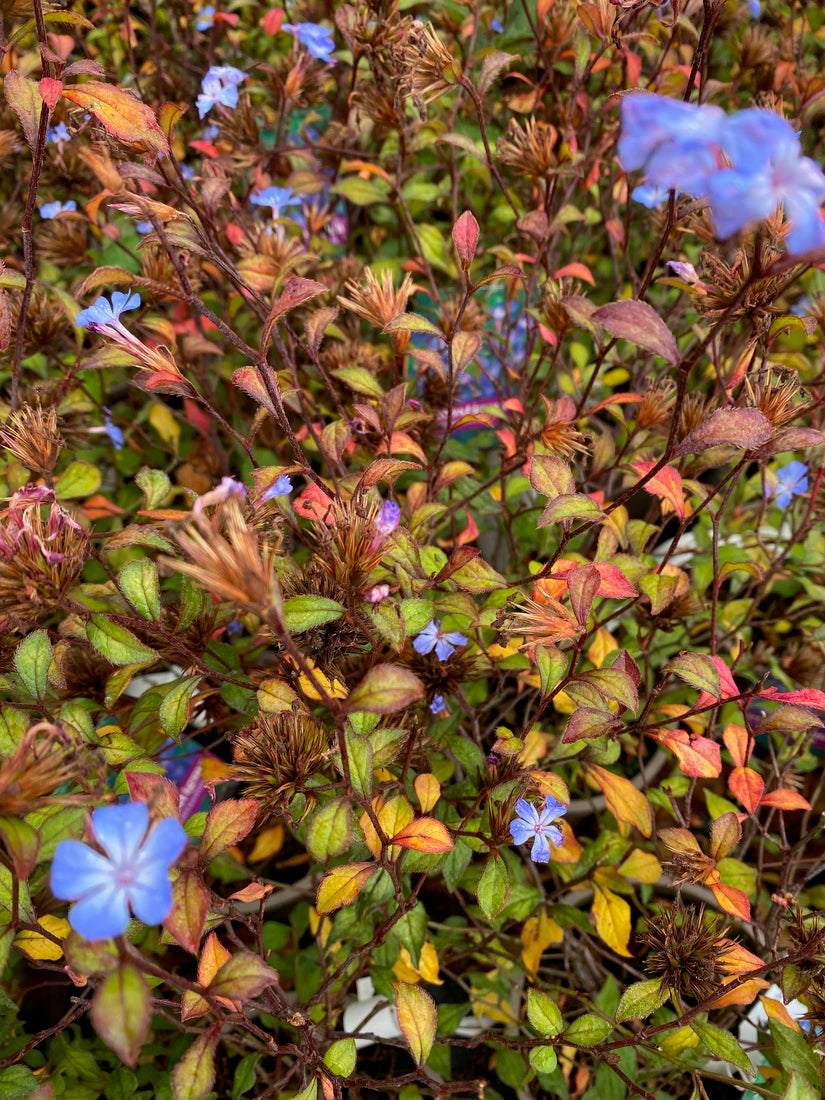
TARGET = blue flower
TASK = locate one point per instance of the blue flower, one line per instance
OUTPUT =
(51, 209)
(755, 8)
(791, 481)
(113, 431)
(56, 135)
(102, 313)
(437, 705)
(226, 74)
(275, 197)
(206, 18)
(134, 872)
(281, 487)
(655, 123)
(213, 92)
(432, 638)
(316, 38)
(496, 26)
(387, 520)
(530, 823)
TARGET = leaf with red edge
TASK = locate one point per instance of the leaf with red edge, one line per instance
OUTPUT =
(296, 291)
(190, 908)
(242, 977)
(805, 697)
(639, 323)
(697, 756)
(727, 685)
(733, 901)
(587, 723)
(583, 584)
(227, 823)
(23, 96)
(738, 743)
(784, 799)
(424, 835)
(680, 840)
(725, 834)
(120, 113)
(417, 1019)
(665, 484)
(745, 429)
(747, 786)
(250, 381)
(160, 794)
(465, 238)
(342, 885)
(51, 90)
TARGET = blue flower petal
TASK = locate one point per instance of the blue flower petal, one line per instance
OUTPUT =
(528, 812)
(554, 834)
(120, 831)
(163, 845)
(520, 831)
(101, 914)
(443, 649)
(78, 870)
(151, 897)
(540, 852)
(553, 809)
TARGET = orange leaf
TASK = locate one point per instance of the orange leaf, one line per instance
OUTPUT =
(123, 115)
(697, 756)
(733, 901)
(425, 835)
(666, 484)
(784, 799)
(624, 801)
(742, 994)
(737, 742)
(342, 885)
(775, 1010)
(679, 840)
(746, 785)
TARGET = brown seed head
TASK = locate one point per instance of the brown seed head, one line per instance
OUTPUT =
(378, 301)
(33, 438)
(776, 392)
(687, 950)
(429, 70)
(46, 759)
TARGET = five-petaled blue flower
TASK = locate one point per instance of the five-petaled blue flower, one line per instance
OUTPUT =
(102, 313)
(530, 823)
(220, 85)
(444, 643)
(205, 19)
(52, 209)
(134, 872)
(791, 481)
(281, 487)
(275, 197)
(316, 38)
(56, 135)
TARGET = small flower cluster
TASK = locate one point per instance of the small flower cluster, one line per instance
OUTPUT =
(316, 38)
(745, 165)
(220, 85)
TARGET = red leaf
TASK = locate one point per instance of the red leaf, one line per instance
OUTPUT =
(583, 584)
(666, 484)
(640, 324)
(805, 697)
(747, 786)
(465, 238)
(727, 685)
(697, 756)
(271, 22)
(746, 429)
(575, 270)
(51, 90)
(733, 901)
(121, 113)
(784, 799)
(424, 835)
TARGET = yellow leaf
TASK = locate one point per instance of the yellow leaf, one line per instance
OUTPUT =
(213, 956)
(333, 688)
(603, 644)
(267, 843)
(550, 783)
(37, 946)
(122, 114)
(537, 935)
(612, 916)
(535, 747)
(404, 969)
(564, 704)
(570, 850)
(163, 421)
(625, 802)
(416, 1018)
(493, 1007)
(498, 652)
(428, 790)
(641, 867)
(368, 829)
(342, 885)
(777, 1011)
(428, 964)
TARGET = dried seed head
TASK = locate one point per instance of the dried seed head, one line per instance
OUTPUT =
(532, 151)
(45, 760)
(560, 434)
(32, 436)
(277, 756)
(63, 241)
(776, 392)
(543, 624)
(687, 951)
(429, 70)
(228, 558)
(42, 550)
(657, 401)
(378, 302)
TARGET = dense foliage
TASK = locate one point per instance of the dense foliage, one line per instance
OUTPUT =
(412, 554)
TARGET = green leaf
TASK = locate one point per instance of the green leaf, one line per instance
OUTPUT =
(340, 1057)
(194, 1075)
(414, 322)
(362, 192)
(242, 977)
(493, 890)
(32, 659)
(155, 486)
(22, 842)
(79, 479)
(794, 1053)
(588, 1030)
(244, 1077)
(138, 582)
(799, 1089)
(641, 1000)
(17, 1082)
(360, 760)
(174, 710)
(330, 830)
(116, 643)
(121, 1013)
(544, 1014)
(698, 670)
(304, 612)
(567, 507)
(543, 1059)
(386, 689)
(723, 1045)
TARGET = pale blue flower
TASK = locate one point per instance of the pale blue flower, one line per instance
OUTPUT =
(56, 135)
(281, 487)
(102, 313)
(275, 197)
(205, 19)
(791, 481)
(51, 209)
(387, 520)
(530, 823)
(496, 26)
(227, 74)
(437, 705)
(316, 38)
(444, 643)
(213, 92)
(133, 873)
(113, 431)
